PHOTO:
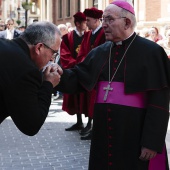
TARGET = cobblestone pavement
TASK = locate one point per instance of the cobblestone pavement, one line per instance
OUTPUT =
(51, 149)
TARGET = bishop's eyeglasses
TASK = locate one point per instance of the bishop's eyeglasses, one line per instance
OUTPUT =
(109, 20)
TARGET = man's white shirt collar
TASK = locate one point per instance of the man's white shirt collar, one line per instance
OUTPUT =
(10, 34)
(94, 32)
(78, 33)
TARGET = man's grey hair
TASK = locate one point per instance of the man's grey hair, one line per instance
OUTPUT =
(129, 15)
(41, 32)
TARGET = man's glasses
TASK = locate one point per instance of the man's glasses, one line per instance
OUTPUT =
(109, 20)
(55, 52)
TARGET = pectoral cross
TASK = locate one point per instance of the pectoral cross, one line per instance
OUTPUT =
(108, 88)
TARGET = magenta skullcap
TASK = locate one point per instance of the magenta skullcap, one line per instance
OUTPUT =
(125, 5)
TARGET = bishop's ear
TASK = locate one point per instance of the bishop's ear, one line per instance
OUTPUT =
(127, 23)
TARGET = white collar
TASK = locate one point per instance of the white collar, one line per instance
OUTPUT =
(94, 32)
(78, 33)
(12, 31)
(120, 42)
(10, 34)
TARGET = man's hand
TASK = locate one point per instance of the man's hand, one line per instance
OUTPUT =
(53, 75)
(147, 154)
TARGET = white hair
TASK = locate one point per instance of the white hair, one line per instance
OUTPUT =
(62, 26)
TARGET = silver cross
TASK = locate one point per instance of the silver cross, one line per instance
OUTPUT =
(108, 88)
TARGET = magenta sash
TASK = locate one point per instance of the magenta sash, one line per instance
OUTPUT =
(159, 162)
(118, 96)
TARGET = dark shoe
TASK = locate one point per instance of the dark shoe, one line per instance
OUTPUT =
(85, 130)
(87, 137)
(75, 127)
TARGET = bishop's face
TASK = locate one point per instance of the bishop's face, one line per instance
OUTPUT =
(113, 23)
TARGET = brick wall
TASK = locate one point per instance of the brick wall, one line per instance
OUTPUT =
(153, 10)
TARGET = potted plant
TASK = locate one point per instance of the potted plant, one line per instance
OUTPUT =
(27, 5)
(18, 22)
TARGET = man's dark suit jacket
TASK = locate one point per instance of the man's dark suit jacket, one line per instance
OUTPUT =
(24, 96)
(3, 34)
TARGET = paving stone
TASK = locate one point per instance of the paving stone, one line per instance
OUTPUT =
(52, 148)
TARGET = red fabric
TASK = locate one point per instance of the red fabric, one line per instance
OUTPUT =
(66, 51)
(93, 12)
(79, 16)
(72, 103)
(86, 47)
(89, 97)
(89, 100)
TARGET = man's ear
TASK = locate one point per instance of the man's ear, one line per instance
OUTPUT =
(127, 23)
(38, 48)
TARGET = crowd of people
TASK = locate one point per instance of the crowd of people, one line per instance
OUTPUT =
(163, 38)
(118, 78)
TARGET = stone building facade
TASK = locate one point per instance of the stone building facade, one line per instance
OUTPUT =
(152, 13)
(148, 12)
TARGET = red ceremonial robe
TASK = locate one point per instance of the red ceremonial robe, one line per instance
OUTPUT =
(70, 45)
(87, 45)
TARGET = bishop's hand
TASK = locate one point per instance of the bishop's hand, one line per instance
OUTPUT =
(147, 154)
(56, 67)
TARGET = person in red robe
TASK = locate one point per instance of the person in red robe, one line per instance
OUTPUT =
(92, 39)
(70, 46)
(131, 76)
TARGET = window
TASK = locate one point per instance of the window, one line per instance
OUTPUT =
(60, 9)
(78, 5)
(133, 2)
(34, 7)
(95, 3)
(68, 8)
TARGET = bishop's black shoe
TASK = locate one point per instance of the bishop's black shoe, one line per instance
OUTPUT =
(75, 127)
(87, 137)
